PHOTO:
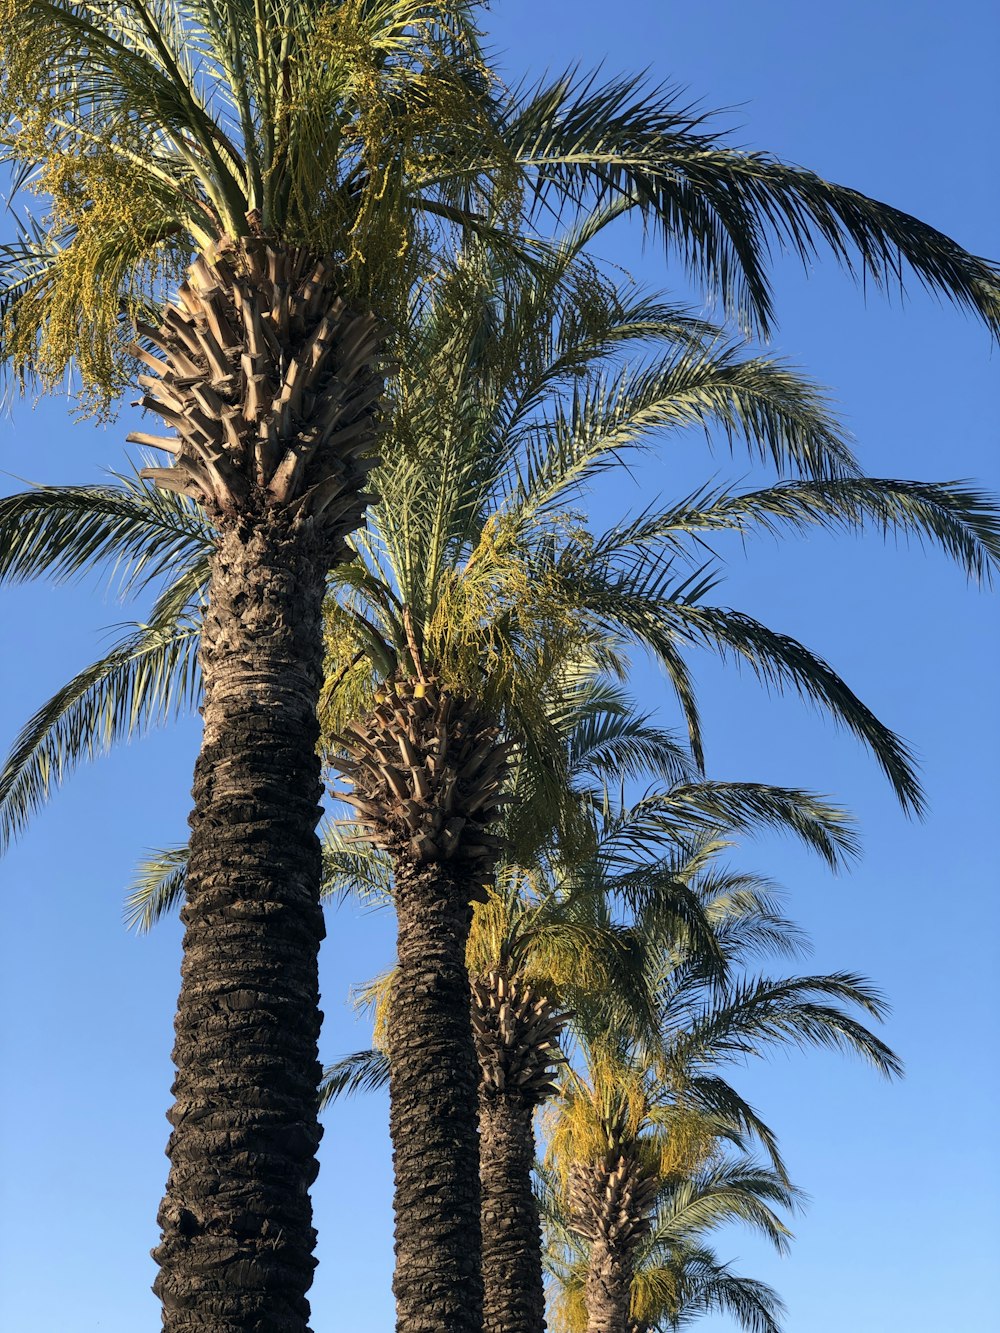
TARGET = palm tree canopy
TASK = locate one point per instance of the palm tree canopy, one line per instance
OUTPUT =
(367, 130)
(513, 397)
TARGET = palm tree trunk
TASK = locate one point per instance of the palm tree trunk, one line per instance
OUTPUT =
(432, 1110)
(609, 1288)
(237, 1236)
(514, 1295)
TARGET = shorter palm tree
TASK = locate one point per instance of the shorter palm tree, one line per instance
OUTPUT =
(546, 939)
(677, 1276)
(635, 1116)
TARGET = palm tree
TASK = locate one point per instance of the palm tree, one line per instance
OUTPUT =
(546, 935)
(639, 1117)
(677, 1277)
(474, 541)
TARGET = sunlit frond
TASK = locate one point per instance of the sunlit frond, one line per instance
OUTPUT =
(139, 533)
(149, 676)
(157, 888)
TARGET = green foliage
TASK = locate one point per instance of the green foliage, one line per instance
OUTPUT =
(656, 1093)
(374, 131)
(149, 676)
(479, 553)
(157, 888)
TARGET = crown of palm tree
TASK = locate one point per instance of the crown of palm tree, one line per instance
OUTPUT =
(513, 398)
(369, 130)
(678, 1277)
(641, 1140)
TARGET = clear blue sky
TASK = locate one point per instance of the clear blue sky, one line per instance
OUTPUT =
(902, 1231)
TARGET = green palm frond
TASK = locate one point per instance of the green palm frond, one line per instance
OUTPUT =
(149, 676)
(364, 1071)
(720, 208)
(776, 413)
(956, 516)
(724, 1191)
(745, 913)
(783, 663)
(627, 748)
(157, 889)
(725, 807)
(695, 1282)
(359, 869)
(657, 608)
(141, 533)
(732, 1115)
(762, 1012)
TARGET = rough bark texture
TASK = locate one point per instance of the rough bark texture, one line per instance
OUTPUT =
(432, 1109)
(237, 1237)
(514, 1294)
(272, 388)
(516, 1031)
(611, 1202)
(609, 1288)
(427, 769)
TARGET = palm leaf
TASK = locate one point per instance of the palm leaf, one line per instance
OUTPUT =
(720, 208)
(157, 888)
(783, 663)
(364, 1071)
(149, 676)
(62, 532)
(956, 516)
(761, 1012)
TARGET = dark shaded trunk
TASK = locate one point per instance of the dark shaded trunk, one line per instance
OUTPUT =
(514, 1294)
(516, 1030)
(427, 769)
(432, 1115)
(609, 1287)
(237, 1236)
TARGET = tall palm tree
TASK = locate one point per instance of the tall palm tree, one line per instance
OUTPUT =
(468, 538)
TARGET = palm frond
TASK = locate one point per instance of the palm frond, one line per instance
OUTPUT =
(747, 806)
(157, 888)
(364, 1071)
(728, 1191)
(783, 663)
(149, 676)
(956, 516)
(360, 869)
(790, 1011)
(720, 208)
(143, 534)
(698, 1283)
